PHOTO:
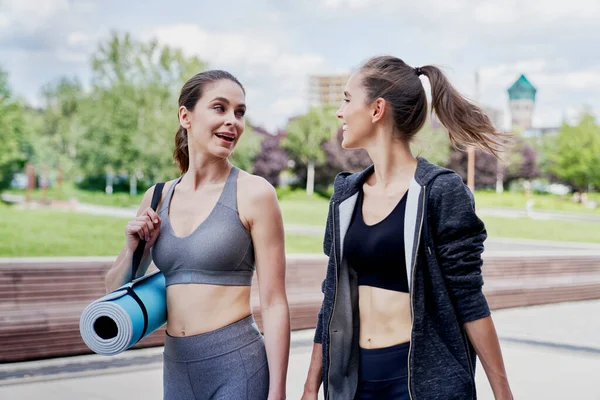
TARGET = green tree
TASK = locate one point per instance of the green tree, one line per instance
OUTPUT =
(247, 149)
(575, 153)
(305, 137)
(131, 114)
(433, 144)
(60, 131)
(12, 132)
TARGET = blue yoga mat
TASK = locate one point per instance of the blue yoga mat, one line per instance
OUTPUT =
(117, 321)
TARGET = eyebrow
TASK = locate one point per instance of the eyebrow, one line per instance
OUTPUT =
(347, 94)
(224, 100)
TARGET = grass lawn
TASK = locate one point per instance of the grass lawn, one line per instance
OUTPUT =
(567, 231)
(541, 202)
(69, 191)
(31, 233)
(299, 208)
(57, 233)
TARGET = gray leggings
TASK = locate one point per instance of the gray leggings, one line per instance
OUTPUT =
(228, 363)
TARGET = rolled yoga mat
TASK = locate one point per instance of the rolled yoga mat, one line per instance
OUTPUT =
(117, 321)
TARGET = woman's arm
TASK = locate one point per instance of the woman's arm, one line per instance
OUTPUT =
(484, 338)
(315, 373)
(266, 229)
(459, 237)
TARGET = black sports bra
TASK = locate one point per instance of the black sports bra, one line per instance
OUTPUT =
(376, 252)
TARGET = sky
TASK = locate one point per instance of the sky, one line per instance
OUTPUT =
(273, 45)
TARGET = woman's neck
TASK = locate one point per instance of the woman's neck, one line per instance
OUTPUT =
(393, 161)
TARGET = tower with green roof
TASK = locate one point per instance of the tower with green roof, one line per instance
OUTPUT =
(521, 98)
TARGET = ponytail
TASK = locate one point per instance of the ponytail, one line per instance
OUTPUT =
(467, 124)
(399, 84)
(181, 153)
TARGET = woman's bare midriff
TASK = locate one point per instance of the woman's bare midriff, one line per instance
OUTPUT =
(193, 309)
(384, 317)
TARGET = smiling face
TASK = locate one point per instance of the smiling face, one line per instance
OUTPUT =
(216, 122)
(356, 114)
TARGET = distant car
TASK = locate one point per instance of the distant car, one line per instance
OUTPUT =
(19, 181)
(559, 189)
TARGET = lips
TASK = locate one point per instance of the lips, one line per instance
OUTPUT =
(228, 137)
(344, 127)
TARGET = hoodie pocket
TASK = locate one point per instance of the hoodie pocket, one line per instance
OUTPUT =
(447, 365)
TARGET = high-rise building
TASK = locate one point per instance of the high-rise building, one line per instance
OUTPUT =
(521, 102)
(326, 89)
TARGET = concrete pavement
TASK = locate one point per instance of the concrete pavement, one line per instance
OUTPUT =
(551, 352)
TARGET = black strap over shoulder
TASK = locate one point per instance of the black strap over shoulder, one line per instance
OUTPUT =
(137, 258)
(139, 252)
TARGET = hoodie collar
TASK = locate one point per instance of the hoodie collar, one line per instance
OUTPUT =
(347, 184)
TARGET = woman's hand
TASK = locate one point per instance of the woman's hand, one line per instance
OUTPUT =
(145, 226)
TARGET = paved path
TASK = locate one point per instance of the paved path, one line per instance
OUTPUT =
(504, 212)
(552, 352)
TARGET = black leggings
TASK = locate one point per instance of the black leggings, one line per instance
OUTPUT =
(383, 373)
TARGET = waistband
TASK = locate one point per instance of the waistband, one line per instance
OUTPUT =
(214, 343)
(225, 278)
(401, 347)
(384, 364)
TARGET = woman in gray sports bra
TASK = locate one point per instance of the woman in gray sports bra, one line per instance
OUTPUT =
(205, 239)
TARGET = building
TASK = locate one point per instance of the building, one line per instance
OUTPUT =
(521, 102)
(326, 89)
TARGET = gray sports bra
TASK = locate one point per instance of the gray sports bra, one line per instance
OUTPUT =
(218, 252)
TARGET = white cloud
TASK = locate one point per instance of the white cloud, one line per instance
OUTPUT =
(282, 42)
(31, 14)
(509, 11)
(282, 74)
(69, 56)
(79, 39)
(4, 21)
(352, 4)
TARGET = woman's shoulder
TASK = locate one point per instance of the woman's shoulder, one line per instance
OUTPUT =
(254, 187)
(449, 185)
(147, 199)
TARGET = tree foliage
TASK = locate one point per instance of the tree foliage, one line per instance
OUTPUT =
(574, 156)
(272, 159)
(12, 131)
(305, 137)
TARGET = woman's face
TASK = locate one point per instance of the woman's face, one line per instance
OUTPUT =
(217, 120)
(355, 114)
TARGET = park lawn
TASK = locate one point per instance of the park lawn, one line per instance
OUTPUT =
(567, 231)
(30, 233)
(298, 208)
(35, 233)
(485, 199)
(70, 191)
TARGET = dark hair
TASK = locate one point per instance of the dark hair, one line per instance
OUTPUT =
(398, 83)
(191, 92)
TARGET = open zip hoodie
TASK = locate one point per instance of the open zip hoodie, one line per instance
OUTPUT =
(443, 240)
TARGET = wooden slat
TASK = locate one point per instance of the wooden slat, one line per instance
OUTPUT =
(41, 300)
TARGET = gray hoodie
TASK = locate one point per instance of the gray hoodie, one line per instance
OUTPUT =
(443, 245)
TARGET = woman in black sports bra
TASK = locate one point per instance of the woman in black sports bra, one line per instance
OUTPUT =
(404, 315)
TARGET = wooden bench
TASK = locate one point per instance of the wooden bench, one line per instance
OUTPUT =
(41, 299)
